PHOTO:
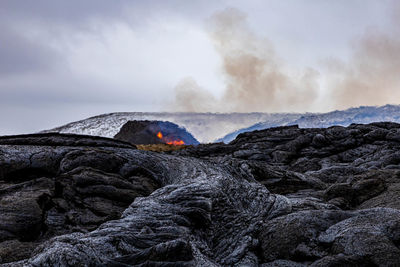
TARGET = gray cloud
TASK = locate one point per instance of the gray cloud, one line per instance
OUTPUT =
(38, 86)
(21, 55)
(75, 11)
(62, 11)
(65, 60)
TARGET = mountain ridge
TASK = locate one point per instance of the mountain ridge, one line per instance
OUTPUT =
(224, 127)
(361, 115)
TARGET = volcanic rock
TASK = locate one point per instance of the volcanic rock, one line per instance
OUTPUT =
(278, 197)
(154, 132)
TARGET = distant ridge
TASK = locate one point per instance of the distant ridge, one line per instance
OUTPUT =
(205, 127)
(360, 115)
(224, 127)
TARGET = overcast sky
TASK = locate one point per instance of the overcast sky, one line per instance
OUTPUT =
(62, 61)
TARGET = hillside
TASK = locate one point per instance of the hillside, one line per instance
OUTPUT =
(205, 127)
(211, 127)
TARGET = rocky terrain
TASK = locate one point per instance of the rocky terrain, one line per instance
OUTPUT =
(278, 197)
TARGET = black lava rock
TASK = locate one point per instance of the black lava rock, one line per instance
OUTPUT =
(278, 197)
(154, 132)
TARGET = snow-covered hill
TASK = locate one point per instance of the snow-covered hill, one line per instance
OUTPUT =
(209, 127)
(365, 114)
(205, 127)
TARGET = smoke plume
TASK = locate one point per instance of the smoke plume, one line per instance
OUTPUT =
(189, 96)
(254, 75)
(256, 79)
(372, 76)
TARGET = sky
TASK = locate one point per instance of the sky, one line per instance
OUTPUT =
(62, 61)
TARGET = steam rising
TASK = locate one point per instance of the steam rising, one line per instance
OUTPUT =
(372, 77)
(255, 76)
(256, 79)
(191, 97)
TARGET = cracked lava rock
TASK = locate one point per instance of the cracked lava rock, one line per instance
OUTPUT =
(278, 197)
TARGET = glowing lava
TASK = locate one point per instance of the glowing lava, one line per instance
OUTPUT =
(177, 142)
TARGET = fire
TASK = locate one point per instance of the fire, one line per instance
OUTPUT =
(177, 142)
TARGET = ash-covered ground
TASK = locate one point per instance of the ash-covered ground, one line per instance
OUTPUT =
(277, 197)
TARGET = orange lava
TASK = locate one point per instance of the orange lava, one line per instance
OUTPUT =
(177, 142)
